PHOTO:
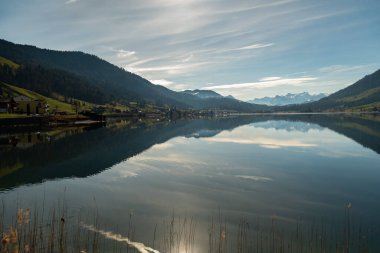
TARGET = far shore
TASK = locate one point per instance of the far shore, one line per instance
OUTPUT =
(23, 119)
(304, 113)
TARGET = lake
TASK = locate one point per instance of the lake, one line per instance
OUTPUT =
(307, 183)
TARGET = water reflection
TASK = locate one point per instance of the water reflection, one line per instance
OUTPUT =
(255, 167)
(91, 152)
(289, 126)
(37, 155)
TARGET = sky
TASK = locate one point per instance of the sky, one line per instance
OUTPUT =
(244, 48)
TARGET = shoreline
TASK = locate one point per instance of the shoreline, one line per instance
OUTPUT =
(62, 120)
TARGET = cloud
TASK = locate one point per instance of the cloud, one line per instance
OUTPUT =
(254, 46)
(243, 48)
(123, 56)
(124, 53)
(169, 84)
(71, 1)
(175, 69)
(255, 178)
(143, 61)
(162, 82)
(334, 69)
(265, 82)
(188, 58)
(269, 78)
(324, 16)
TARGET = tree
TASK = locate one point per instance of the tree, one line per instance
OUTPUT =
(76, 106)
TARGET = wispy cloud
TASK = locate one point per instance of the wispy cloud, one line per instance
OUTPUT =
(240, 48)
(174, 69)
(169, 84)
(344, 68)
(325, 15)
(265, 82)
(188, 58)
(254, 46)
(162, 82)
(255, 178)
(124, 53)
(270, 78)
(71, 1)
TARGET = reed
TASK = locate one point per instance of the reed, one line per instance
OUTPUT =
(32, 232)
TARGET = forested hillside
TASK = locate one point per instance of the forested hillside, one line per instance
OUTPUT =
(107, 81)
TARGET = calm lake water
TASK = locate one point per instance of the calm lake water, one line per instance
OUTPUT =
(289, 169)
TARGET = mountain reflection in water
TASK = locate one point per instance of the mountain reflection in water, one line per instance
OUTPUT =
(32, 157)
(289, 170)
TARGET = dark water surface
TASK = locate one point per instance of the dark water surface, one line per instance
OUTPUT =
(260, 168)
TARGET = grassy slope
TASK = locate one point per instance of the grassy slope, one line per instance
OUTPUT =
(56, 103)
(8, 62)
(363, 94)
(53, 104)
(61, 106)
(360, 96)
(367, 107)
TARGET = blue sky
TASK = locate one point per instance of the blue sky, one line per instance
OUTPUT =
(248, 49)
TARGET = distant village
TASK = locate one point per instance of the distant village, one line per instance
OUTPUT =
(23, 105)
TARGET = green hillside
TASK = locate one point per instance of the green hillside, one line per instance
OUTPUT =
(51, 82)
(365, 91)
(363, 95)
(54, 104)
(8, 90)
(5, 61)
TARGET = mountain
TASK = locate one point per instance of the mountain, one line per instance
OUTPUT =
(106, 80)
(203, 93)
(362, 95)
(51, 82)
(299, 98)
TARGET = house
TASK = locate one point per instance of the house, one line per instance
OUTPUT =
(7, 105)
(30, 106)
